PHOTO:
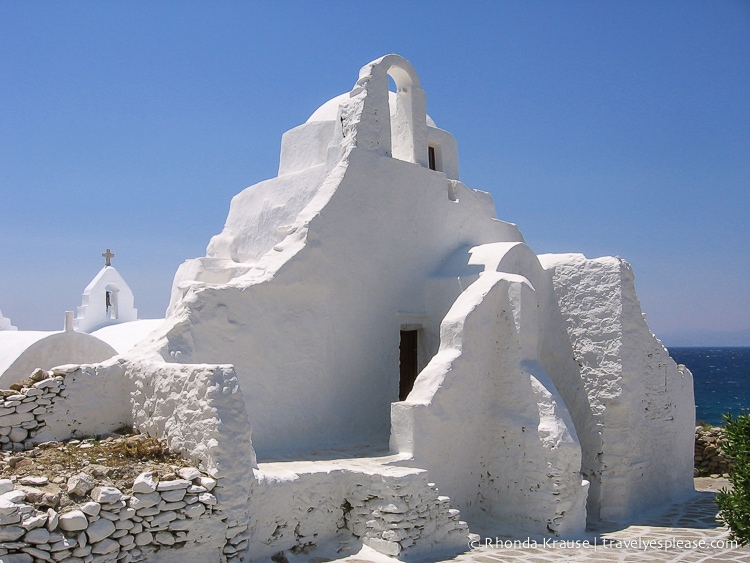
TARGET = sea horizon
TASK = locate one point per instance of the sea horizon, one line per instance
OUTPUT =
(721, 379)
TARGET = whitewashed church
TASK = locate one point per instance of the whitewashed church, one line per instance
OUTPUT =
(106, 324)
(367, 353)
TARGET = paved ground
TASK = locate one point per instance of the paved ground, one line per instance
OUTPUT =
(685, 532)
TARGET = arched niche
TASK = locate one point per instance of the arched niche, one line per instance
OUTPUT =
(404, 135)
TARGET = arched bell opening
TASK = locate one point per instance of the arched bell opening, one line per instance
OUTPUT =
(111, 292)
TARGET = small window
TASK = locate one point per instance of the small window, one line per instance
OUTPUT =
(432, 158)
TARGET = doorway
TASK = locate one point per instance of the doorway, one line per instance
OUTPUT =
(408, 362)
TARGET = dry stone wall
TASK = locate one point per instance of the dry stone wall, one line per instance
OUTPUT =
(300, 506)
(187, 404)
(24, 409)
(709, 452)
(105, 523)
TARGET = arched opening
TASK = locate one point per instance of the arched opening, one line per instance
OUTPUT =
(402, 118)
(404, 136)
(110, 301)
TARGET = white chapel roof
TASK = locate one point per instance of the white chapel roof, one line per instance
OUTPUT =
(122, 337)
(15, 343)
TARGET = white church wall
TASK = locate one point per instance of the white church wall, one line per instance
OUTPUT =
(446, 151)
(633, 408)
(328, 326)
(305, 146)
(516, 459)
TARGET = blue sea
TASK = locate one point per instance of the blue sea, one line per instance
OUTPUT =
(721, 377)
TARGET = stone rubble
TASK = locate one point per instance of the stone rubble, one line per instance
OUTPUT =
(394, 510)
(710, 459)
(389, 523)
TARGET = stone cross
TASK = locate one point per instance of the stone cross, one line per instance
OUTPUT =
(107, 257)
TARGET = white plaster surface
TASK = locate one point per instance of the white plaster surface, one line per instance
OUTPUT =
(106, 300)
(633, 407)
(21, 352)
(5, 323)
(515, 461)
(349, 502)
(122, 337)
(305, 287)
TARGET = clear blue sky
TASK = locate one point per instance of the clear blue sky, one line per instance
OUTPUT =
(607, 128)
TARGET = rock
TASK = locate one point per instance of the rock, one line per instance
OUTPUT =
(16, 496)
(106, 495)
(17, 558)
(98, 471)
(145, 483)
(111, 516)
(383, 546)
(37, 535)
(38, 375)
(73, 521)
(208, 483)
(35, 521)
(173, 485)
(163, 519)
(194, 510)
(144, 538)
(171, 505)
(82, 551)
(15, 419)
(62, 543)
(80, 484)
(91, 508)
(164, 538)
(24, 463)
(150, 511)
(105, 546)
(11, 533)
(99, 530)
(188, 473)
(52, 519)
(34, 481)
(180, 525)
(6, 485)
(207, 498)
(38, 553)
(173, 496)
(139, 501)
(50, 499)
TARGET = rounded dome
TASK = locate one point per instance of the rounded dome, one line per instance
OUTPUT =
(329, 111)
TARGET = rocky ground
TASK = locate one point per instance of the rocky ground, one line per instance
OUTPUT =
(114, 459)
